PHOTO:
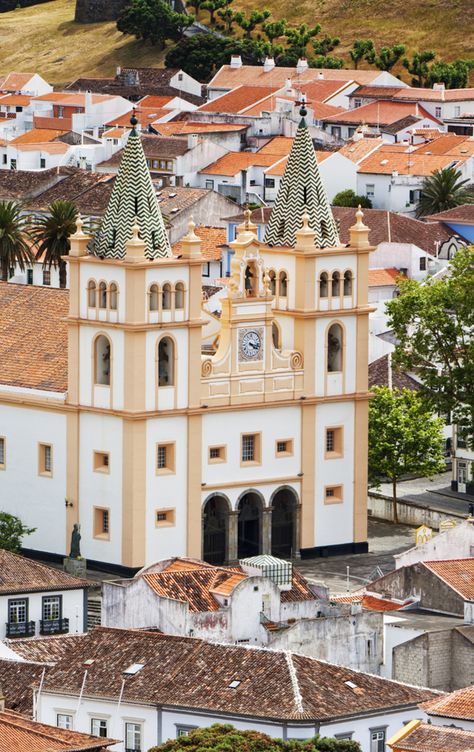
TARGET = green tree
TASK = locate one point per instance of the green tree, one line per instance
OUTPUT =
(248, 24)
(404, 438)
(12, 531)
(203, 54)
(196, 4)
(434, 326)
(443, 189)
(297, 38)
(228, 739)
(153, 21)
(418, 66)
(14, 236)
(227, 16)
(213, 6)
(274, 29)
(325, 45)
(453, 75)
(326, 61)
(51, 233)
(387, 57)
(359, 50)
(349, 198)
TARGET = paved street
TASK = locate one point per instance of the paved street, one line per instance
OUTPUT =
(434, 493)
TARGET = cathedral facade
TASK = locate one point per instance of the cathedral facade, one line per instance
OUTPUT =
(157, 447)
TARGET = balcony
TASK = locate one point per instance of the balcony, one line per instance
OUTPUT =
(54, 626)
(21, 629)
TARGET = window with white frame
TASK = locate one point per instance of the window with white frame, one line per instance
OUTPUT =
(377, 740)
(370, 190)
(51, 607)
(99, 727)
(457, 111)
(133, 737)
(438, 112)
(182, 730)
(64, 721)
(18, 610)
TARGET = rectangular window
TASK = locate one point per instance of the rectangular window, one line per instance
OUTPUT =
(64, 721)
(3, 452)
(165, 458)
(12, 164)
(209, 185)
(18, 611)
(457, 111)
(438, 112)
(377, 740)
(133, 737)
(423, 264)
(184, 730)
(334, 443)
(101, 462)
(47, 277)
(165, 517)
(357, 103)
(101, 523)
(250, 448)
(333, 495)
(29, 276)
(370, 190)
(4, 158)
(269, 182)
(42, 163)
(45, 459)
(60, 111)
(98, 727)
(51, 607)
(206, 269)
(284, 447)
(162, 164)
(169, 166)
(217, 454)
(154, 163)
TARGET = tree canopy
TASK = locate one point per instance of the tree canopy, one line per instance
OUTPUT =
(226, 738)
(153, 21)
(443, 189)
(51, 233)
(12, 532)
(14, 239)
(434, 326)
(405, 437)
(349, 198)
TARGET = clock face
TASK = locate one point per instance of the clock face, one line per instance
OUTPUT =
(250, 344)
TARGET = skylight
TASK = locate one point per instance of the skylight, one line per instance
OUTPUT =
(89, 662)
(350, 684)
(234, 684)
(133, 669)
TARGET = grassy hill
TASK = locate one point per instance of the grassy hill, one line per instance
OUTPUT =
(45, 37)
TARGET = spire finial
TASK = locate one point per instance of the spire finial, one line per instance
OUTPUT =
(247, 215)
(134, 119)
(135, 230)
(191, 227)
(359, 216)
(303, 110)
(79, 225)
(305, 219)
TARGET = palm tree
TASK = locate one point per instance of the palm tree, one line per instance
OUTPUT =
(443, 189)
(14, 237)
(51, 236)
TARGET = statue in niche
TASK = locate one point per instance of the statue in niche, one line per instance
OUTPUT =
(249, 281)
(334, 352)
(75, 542)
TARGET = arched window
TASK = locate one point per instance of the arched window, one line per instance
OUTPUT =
(166, 297)
(334, 345)
(113, 290)
(154, 298)
(179, 296)
(323, 285)
(283, 284)
(92, 294)
(102, 295)
(276, 336)
(166, 362)
(102, 360)
(336, 279)
(273, 283)
(348, 282)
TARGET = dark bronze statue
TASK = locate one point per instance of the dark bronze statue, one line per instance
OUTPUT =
(75, 542)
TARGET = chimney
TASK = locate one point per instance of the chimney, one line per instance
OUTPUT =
(88, 102)
(288, 86)
(193, 140)
(269, 64)
(438, 87)
(302, 65)
(468, 612)
(356, 608)
(118, 71)
(320, 76)
(235, 61)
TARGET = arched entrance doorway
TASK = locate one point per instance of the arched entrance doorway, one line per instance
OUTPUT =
(250, 510)
(215, 530)
(284, 543)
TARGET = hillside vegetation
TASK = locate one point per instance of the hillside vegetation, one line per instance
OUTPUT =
(46, 39)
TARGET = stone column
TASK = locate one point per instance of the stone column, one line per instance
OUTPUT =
(267, 530)
(232, 537)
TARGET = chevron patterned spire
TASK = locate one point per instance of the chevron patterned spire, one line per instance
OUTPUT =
(133, 200)
(302, 190)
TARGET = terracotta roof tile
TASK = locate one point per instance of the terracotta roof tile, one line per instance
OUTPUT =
(33, 353)
(144, 115)
(464, 213)
(279, 167)
(379, 376)
(254, 75)
(447, 143)
(71, 99)
(235, 161)
(383, 277)
(379, 113)
(190, 672)
(457, 573)
(212, 238)
(435, 95)
(427, 738)
(16, 680)
(50, 147)
(154, 147)
(37, 136)
(358, 150)
(239, 99)
(374, 92)
(459, 704)
(16, 81)
(319, 91)
(185, 127)
(369, 602)
(15, 99)
(280, 146)
(21, 575)
(152, 100)
(20, 733)
(45, 649)
(384, 163)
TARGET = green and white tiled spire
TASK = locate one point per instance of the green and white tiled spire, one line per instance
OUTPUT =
(302, 188)
(133, 200)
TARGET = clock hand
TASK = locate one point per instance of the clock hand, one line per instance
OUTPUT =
(255, 347)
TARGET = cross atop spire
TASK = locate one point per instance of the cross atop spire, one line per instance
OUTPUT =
(302, 190)
(133, 201)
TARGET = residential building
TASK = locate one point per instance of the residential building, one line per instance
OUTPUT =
(454, 709)
(168, 685)
(76, 112)
(457, 541)
(30, 84)
(136, 83)
(35, 599)
(237, 175)
(213, 239)
(459, 220)
(232, 136)
(375, 117)
(266, 375)
(416, 736)
(337, 173)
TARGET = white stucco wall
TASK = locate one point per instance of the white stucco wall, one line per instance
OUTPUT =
(72, 609)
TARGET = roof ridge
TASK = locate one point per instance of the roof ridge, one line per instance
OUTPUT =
(298, 698)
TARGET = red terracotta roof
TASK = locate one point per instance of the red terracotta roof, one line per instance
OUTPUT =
(15, 81)
(459, 704)
(240, 98)
(383, 277)
(21, 734)
(212, 238)
(370, 602)
(235, 161)
(379, 113)
(464, 214)
(21, 575)
(384, 162)
(37, 136)
(457, 573)
(424, 737)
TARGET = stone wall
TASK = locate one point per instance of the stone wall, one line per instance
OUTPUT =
(419, 582)
(442, 659)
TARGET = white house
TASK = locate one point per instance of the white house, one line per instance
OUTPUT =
(146, 688)
(39, 600)
(31, 84)
(456, 542)
(454, 709)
